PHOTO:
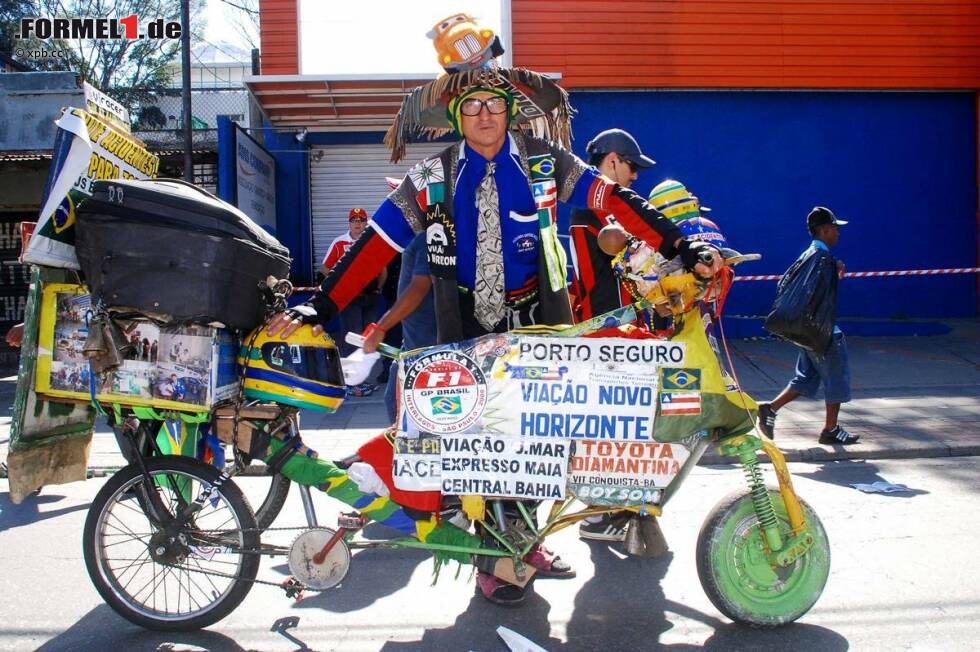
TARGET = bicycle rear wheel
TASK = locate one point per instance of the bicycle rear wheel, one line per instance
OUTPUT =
(160, 576)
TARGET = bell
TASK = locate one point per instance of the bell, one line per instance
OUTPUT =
(105, 346)
(94, 343)
(644, 538)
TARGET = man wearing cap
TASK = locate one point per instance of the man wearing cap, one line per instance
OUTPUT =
(831, 369)
(617, 156)
(363, 309)
(488, 208)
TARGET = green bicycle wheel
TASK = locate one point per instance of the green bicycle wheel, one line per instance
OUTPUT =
(736, 575)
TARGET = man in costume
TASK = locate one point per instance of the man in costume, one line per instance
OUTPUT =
(487, 205)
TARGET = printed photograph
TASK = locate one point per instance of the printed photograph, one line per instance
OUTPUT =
(69, 327)
(133, 379)
(70, 376)
(144, 342)
(175, 382)
(187, 346)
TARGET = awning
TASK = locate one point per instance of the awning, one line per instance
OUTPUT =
(332, 102)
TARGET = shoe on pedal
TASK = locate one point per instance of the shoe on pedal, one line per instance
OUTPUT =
(767, 420)
(612, 527)
(838, 435)
(498, 591)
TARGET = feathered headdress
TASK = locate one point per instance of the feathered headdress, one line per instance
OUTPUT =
(467, 53)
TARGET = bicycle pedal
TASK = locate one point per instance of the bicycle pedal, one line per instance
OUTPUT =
(294, 589)
(351, 521)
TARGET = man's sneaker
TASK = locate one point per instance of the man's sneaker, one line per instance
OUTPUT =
(838, 436)
(767, 420)
(612, 527)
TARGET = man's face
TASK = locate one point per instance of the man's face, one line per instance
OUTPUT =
(484, 130)
(619, 170)
(829, 234)
(357, 226)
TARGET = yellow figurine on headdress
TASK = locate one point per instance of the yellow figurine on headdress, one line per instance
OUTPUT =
(463, 45)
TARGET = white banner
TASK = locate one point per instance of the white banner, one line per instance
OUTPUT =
(97, 150)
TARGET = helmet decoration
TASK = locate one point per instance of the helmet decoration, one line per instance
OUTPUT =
(467, 53)
(704, 230)
(675, 201)
(302, 370)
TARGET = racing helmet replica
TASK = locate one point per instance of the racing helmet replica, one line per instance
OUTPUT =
(302, 370)
(672, 198)
(677, 203)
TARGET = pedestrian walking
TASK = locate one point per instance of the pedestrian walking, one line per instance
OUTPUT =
(816, 368)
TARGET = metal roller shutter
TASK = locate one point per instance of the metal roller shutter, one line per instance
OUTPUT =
(347, 176)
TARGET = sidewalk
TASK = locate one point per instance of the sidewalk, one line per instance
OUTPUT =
(913, 397)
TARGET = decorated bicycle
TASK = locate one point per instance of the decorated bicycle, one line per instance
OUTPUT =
(595, 418)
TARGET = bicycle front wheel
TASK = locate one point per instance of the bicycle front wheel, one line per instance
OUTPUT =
(161, 576)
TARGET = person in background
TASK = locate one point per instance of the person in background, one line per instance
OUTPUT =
(812, 369)
(413, 309)
(363, 309)
(617, 156)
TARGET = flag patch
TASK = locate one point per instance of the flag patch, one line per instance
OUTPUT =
(447, 405)
(672, 403)
(681, 378)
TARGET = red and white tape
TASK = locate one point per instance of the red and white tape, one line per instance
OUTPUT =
(776, 277)
(902, 272)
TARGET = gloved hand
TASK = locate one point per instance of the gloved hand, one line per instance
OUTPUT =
(699, 257)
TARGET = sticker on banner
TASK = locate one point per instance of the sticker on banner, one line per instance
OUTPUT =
(677, 403)
(445, 392)
(503, 466)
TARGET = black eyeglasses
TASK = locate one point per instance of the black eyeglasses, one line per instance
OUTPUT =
(633, 166)
(473, 106)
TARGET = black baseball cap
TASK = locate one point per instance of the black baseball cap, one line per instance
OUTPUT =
(617, 141)
(822, 215)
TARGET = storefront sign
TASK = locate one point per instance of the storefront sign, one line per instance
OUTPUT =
(99, 104)
(255, 172)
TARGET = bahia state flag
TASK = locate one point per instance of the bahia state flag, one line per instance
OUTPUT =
(695, 397)
(680, 403)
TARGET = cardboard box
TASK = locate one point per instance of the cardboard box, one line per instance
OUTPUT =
(185, 368)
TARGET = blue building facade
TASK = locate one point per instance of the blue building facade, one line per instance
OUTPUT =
(900, 166)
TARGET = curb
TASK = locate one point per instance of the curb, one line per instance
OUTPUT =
(821, 454)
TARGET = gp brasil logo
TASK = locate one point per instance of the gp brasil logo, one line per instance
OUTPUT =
(445, 392)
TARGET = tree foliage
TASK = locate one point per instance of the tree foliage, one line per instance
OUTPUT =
(131, 71)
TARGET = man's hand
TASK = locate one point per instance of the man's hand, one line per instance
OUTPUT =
(696, 256)
(840, 270)
(15, 335)
(285, 323)
(373, 336)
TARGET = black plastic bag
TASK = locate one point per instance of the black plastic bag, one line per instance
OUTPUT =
(805, 308)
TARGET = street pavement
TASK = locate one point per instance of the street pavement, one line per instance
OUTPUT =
(902, 576)
(913, 397)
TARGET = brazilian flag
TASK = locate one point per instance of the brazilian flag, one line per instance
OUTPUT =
(733, 412)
